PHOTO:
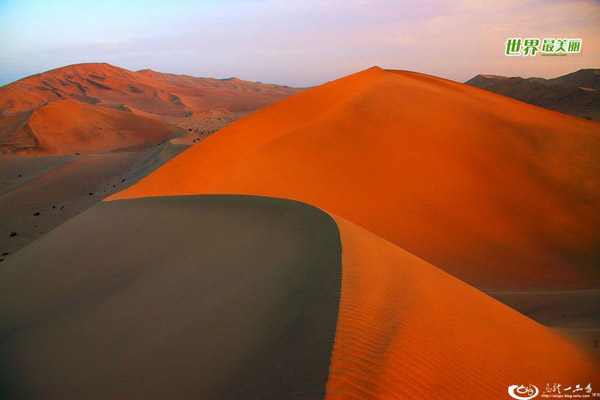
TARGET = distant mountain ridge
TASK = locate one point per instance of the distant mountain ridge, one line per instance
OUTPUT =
(576, 94)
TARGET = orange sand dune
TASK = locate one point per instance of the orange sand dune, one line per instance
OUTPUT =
(200, 106)
(69, 126)
(407, 330)
(153, 92)
(496, 192)
(241, 297)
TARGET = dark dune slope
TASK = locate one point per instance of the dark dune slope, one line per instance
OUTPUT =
(576, 94)
(174, 297)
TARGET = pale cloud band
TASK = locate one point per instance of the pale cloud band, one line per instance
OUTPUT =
(299, 43)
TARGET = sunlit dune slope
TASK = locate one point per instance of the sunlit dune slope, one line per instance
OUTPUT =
(407, 330)
(494, 191)
(147, 90)
(243, 297)
(69, 127)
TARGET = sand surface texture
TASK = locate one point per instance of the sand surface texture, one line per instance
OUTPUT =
(189, 297)
(498, 193)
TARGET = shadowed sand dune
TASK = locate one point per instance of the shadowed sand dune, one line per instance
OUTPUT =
(69, 127)
(190, 297)
(574, 313)
(559, 308)
(15, 171)
(498, 193)
(577, 93)
(248, 297)
(39, 193)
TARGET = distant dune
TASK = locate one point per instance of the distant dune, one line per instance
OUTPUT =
(575, 94)
(498, 193)
(69, 127)
(39, 193)
(147, 90)
(61, 129)
(63, 110)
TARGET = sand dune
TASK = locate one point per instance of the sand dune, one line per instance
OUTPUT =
(575, 94)
(212, 297)
(561, 309)
(96, 109)
(247, 297)
(70, 127)
(198, 106)
(16, 171)
(341, 294)
(39, 193)
(585, 78)
(407, 330)
(496, 192)
(149, 91)
(572, 313)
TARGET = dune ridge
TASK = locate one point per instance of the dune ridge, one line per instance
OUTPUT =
(407, 330)
(231, 296)
(210, 297)
(69, 127)
(147, 90)
(198, 107)
(332, 245)
(574, 94)
(496, 192)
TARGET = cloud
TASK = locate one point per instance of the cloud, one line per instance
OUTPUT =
(108, 42)
(304, 42)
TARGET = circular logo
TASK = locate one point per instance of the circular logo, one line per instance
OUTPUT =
(523, 392)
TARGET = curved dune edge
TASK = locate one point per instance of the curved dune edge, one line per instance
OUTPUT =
(191, 297)
(69, 126)
(494, 191)
(237, 297)
(407, 330)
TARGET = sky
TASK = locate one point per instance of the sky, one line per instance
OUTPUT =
(296, 43)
